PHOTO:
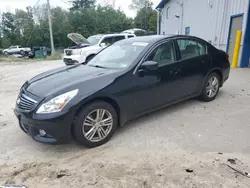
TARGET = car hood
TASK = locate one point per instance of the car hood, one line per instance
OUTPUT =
(54, 81)
(77, 38)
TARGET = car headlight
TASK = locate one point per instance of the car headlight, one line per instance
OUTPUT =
(57, 104)
(83, 52)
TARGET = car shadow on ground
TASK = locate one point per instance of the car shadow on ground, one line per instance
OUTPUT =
(159, 114)
(156, 115)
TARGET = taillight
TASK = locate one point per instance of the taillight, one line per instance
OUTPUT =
(227, 56)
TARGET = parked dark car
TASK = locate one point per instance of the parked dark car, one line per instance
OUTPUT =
(126, 80)
(34, 49)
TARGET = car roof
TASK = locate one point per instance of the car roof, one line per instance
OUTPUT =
(154, 38)
(110, 35)
(117, 34)
(147, 39)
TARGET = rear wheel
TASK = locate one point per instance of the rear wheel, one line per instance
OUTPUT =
(6, 53)
(95, 125)
(211, 87)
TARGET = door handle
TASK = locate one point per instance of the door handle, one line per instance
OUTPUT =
(174, 72)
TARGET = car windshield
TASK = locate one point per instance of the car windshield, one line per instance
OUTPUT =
(118, 56)
(93, 40)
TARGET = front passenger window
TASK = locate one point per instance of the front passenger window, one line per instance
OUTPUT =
(163, 54)
(107, 41)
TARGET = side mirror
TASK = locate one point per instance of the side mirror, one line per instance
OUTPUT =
(148, 68)
(103, 45)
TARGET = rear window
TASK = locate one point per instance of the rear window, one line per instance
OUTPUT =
(131, 36)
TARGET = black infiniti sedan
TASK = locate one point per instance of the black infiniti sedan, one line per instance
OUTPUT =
(128, 79)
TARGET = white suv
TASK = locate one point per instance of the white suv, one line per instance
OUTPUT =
(86, 49)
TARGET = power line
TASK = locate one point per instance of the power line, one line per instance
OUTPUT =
(36, 4)
(66, 2)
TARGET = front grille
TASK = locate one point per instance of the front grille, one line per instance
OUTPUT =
(25, 102)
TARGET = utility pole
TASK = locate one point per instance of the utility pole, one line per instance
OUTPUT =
(50, 29)
(145, 16)
(113, 4)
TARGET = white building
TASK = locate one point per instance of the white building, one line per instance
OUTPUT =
(216, 21)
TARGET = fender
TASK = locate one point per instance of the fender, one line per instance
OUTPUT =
(217, 69)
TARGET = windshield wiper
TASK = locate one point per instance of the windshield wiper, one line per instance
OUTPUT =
(98, 66)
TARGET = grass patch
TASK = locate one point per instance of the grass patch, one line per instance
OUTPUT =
(56, 56)
(4, 59)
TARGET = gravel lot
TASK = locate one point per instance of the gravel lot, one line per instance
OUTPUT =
(152, 151)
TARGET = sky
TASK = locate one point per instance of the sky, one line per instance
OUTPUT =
(11, 5)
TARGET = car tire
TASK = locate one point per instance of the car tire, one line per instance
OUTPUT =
(6, 53)
(211, 87)
(84, 128)
(88, 59)
(22, 52)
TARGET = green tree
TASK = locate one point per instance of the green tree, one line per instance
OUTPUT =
(139, 4)
(99, 20)
(146, 17)
(10, 31)
(30, 27)
(61, 26)
(25, 24)
(80, 4)
(152, 24)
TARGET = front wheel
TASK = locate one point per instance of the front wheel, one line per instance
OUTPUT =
(22, 52)
(211, 87)
(95, 125)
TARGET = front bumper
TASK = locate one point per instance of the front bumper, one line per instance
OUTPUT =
(57, 128)
(69, 61)
(74, 59)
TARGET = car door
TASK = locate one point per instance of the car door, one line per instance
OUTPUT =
(194, 62)
(169, 87)
(161, 87)
(12, 49)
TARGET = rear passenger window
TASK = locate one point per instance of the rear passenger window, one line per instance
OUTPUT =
(130, 36)
(190, 48)
(202, 48)
(117, 38)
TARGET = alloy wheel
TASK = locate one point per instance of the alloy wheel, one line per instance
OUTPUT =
(212, 87)
(97, 125)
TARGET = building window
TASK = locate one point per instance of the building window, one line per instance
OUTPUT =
(167, 12)
(187, 30)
